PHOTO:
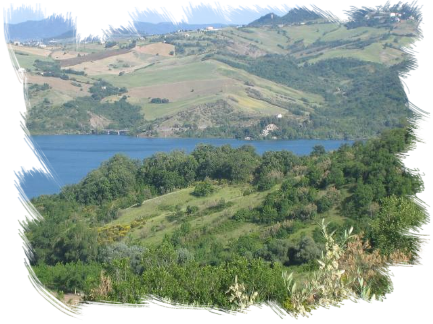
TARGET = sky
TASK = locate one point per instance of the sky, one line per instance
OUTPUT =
(190, 11)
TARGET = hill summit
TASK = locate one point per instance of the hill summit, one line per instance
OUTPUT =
(358, 12)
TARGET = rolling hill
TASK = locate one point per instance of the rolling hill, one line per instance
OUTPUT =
(307, 76)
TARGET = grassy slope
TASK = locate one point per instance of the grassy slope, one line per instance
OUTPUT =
(156, 214)
(156, 210)
(191, 82)
(372, 53)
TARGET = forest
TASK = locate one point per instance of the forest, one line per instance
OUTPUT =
(371, 99)
(331, 222)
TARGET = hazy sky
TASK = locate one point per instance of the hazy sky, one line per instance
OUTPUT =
(191, 11)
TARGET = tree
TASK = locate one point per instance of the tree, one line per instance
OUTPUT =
(362, 196)
(79, 243)
(318, 150)
(303, 251)
(168, 171)
(399, 225)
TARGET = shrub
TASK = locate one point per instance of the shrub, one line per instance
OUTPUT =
(159, 100)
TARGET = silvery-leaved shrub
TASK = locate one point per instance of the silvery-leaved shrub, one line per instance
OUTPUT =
(324, 296)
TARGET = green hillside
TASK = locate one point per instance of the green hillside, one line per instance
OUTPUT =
(324, 79)
(184, 226)
(221, 226)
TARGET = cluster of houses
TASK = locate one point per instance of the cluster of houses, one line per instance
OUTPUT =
(267, 130)
(30, 44)
(384, 15)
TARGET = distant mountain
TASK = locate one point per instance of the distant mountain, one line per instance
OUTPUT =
(269, 19)
(72, 19)
(356, 11)
(97, 33)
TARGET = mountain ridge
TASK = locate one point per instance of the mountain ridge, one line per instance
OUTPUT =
(96, 33)
(70, 19)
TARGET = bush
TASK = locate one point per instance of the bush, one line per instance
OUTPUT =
(203, 189)
(159, 100)
(323, 204)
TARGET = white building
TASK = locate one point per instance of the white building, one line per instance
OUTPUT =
(269, 128)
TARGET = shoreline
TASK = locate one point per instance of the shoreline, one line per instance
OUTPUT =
(212, 138)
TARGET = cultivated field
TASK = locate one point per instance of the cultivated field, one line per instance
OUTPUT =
(161, 49)
(64, 86)
(44, 52)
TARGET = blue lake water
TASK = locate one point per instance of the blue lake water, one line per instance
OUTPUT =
(71, 157)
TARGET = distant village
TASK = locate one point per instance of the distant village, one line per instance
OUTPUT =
(396, 15)
(53, 42)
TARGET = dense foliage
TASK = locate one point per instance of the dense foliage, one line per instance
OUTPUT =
(371, 98)
(366, 184)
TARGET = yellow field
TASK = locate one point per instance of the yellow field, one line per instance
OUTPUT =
(45, 52)
(63, 86)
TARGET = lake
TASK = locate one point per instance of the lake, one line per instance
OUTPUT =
(71, 157)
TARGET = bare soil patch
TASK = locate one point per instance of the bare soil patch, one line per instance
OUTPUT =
(98, 122)
(162, 49)
(126, 63)
(92, 57)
